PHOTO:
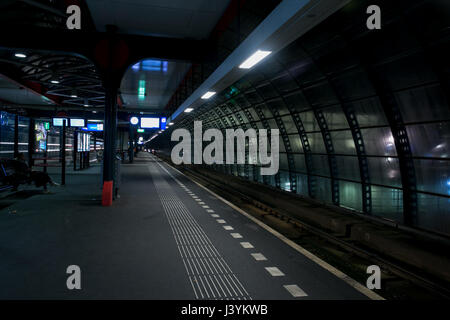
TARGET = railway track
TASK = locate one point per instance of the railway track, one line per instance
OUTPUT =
(395, 273)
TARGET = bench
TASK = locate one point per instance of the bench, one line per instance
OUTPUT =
(8, 174)
(14, 173)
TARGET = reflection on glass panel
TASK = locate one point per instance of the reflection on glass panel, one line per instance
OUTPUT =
(267, 91)
(433, 176)
(369, 112)
(433, 213)
(350, 196)
(225, 109)
(278, 104)
(271, 180)
(242, 101)
(423, 104)
(306, 72)
(297, 101)
(272, 124)
(321, 94)
(241, 171)
(302, 184)
(300, 165)
(260, 125)
(253, 97)
(430, 140)
(316, 142)
(53, 146)
(320, 165)
(354, 84)
(24, 126)
(271, 68)
(387, 203)
(254, 114)
(250, 172)
(284, 162)
(234, 170)
(7, 122)
(335, 118)
(309, 121)
(243, 84)
(266, 110)
(281, 144)
(243, 117)
(255, 77)
(323, 189)
(284, 83)
(289, 124)
(343, 142)
(384, 171)
(348, 168)
(285, 183)
(296, 143)
(379, 142)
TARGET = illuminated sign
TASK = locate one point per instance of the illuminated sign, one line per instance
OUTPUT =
(77, 123)
(94, 127)
(58, 122)
(134, 121)
(150, 123)
(163, 123)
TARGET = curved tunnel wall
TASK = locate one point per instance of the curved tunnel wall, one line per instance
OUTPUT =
(363, 115)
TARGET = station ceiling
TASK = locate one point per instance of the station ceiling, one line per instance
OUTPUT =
(174, 18)
(78, 82)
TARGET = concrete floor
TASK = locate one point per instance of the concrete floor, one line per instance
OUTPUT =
(160, 240)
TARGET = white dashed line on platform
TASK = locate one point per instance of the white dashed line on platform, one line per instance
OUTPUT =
(259, 257)
(295, 291)
(209, 210)
(247, 245)
(236, 235)
(228, 227)
(215, 216)
(274, 272)
(221, 221)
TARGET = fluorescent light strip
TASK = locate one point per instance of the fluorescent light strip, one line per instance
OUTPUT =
(254, 59)
(208, 95)
(187, 110)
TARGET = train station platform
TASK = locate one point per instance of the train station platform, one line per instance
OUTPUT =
(165, 238)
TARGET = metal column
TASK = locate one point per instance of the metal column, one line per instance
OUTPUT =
(110, 141)
(16, 136)
(63, 154)
(31, 141)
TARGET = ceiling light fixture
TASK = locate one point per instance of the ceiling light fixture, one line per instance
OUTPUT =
(208, 95)
(20, 55)
(54, 81)
(171, 123)
(187, 110)
(254, 59)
